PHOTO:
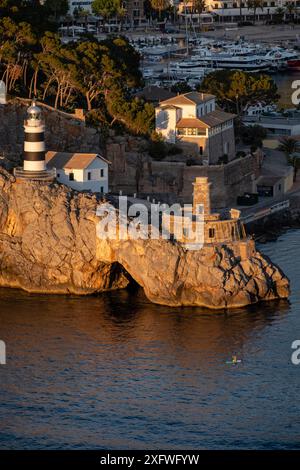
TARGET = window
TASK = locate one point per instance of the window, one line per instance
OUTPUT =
(89, 176)
(201, 150)
(71, 176)
(102, 173)
(211, 233)
(58, 175)
(102, 189)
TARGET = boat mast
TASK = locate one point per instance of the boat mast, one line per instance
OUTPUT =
(186, 28)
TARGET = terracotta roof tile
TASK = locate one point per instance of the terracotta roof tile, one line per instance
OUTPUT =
(191, 122)
(209, 120)
(216, 117)
(188, 98)
(75, 161)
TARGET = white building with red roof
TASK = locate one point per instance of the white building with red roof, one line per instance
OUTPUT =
(80, 171)
(194, 118)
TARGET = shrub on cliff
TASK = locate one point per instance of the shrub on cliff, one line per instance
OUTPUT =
(156, 146)
(136, 115)
(158, 149)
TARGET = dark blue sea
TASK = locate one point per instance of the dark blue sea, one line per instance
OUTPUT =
(117, 372)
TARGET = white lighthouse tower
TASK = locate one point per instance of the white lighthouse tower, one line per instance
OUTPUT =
(34, 156)
(34, 144)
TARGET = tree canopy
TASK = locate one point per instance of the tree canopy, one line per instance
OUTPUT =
(91, 74)
(236, 89)
(57, 7)
(107, 8)
(160, 5)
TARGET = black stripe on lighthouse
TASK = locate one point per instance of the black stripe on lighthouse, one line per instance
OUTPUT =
(34, 156)
(31, 137)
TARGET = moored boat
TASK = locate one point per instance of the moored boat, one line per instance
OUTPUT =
(294, 64)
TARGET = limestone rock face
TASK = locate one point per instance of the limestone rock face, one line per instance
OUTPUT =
(48, 239)
(49, 244)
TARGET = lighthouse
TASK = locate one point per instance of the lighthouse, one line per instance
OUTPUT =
(34, 155)
(34, 144)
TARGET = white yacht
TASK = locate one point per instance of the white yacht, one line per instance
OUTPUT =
(223, 60)
(279, 57)
(187, 68)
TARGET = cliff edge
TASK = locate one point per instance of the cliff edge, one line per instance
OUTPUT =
(48, 244)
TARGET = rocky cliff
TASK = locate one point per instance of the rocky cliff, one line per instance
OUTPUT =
(48, 243)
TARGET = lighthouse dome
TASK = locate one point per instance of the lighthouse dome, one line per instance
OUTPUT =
(34, 112)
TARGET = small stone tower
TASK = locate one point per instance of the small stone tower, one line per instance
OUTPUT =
(202, 195)
(218, 228)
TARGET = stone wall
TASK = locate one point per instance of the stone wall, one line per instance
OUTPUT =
(217, 143)
(174, 181)
(63, 132)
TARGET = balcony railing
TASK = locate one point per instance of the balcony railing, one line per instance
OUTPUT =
(191, 132)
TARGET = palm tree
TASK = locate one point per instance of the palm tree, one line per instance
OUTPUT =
(84, 15)
(241, 13)
(160, 5)
(199, 6)
(290, 8)
(121, 13)
(290, 147)
(279, 12)
(254, 5)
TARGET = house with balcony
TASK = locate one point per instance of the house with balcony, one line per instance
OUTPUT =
(193, 118)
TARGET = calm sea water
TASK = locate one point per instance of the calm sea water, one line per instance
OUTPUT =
(115, 371)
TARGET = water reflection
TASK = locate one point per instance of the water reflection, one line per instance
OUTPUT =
(128, 318)
(115, 371)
